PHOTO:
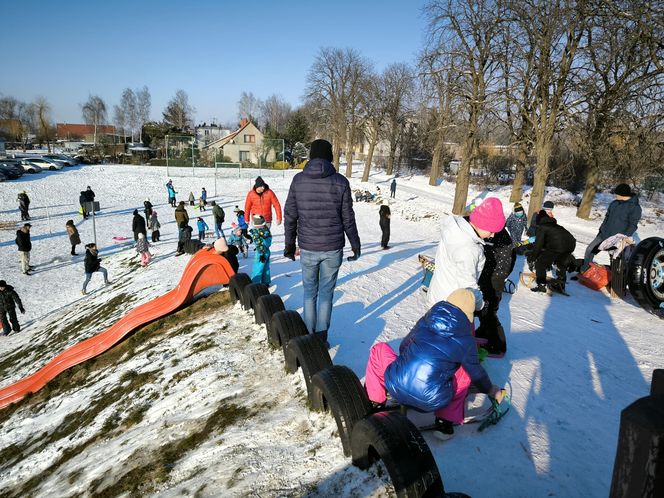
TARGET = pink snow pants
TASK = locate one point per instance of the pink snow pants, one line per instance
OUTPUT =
(380, 357)
(145, 258)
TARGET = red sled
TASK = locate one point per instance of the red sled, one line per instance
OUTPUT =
(596, 277)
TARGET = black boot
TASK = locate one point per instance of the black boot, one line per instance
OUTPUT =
(539, 288)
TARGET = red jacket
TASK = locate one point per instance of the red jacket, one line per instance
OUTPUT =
(262, 204)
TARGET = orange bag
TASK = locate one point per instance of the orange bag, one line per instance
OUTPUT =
(596, 277)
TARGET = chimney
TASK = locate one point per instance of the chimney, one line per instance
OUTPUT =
(243, 122)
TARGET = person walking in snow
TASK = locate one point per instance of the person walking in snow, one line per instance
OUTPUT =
(143, 249)
(553, 244)
(182, 221)
(202, 226)
(436, 364)
(82, 200)
(138, 225)
(319, 214)
(155, 226)
(460, 254)
(204, 196)
(393, 188)
(261, 201)
(9, 300)
(192, 199)
(622, 217)
(262, 237)
(171, 193)
(24, 247)
(384, 222)
(74, 237)
(147, 207)
(547, 208)
(242, 224)
(516, 222)
(218, 216)
(92, 264)
(201, 204)
(23, 205)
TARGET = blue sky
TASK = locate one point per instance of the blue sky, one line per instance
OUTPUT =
(214, 50)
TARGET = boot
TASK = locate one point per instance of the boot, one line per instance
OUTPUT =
(539, 288)
(444, 429)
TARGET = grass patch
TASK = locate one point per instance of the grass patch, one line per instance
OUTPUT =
(203, 345)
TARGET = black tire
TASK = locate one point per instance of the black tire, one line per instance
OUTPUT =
(338, 389)
(251, 293)
(392, 438)
(266, 306)
(309, 353)
(284, 326)
(52, 168)
(645, 273)
(237, 284)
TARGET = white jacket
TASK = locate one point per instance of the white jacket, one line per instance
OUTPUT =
(459, 261)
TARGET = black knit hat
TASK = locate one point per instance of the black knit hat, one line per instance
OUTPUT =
(623, 190)
(3, 283)
(135, 212)
(547, 205)
(259, 183)
(321, 149)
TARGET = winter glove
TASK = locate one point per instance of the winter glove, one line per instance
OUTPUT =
(355, 256)
(289, 251)
(531, 239)
(262, 258)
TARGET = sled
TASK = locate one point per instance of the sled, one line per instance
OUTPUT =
(490, 416)
(554, 285)
(119, 238)
(596, 277)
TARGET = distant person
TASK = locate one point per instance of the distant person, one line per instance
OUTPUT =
(261, 201)
(23, 205)
(92, 264)
(622, 217)
(182, 221)
(204, 196)
(547, 208)
(201, 204)
(319, 215)
(138, 225)
(219, 217)
(553, 244)
(82, 200)
(74, 237)
(263, 240)
(242, 224)
(24, 247)
(192, 199)
(155, 226)
(147, 208)
(143, 249)
(9, 300)
(393, 188)
(171, 193)
(384, 222)
(202, 226)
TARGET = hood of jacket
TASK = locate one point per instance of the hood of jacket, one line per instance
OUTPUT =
(454, 227)
(319, 168)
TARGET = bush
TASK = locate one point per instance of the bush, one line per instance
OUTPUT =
(301, 165)
(281, 165)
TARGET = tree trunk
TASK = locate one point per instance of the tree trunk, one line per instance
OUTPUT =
(463, 178)
(589, 192)
(435, 160)
(519, 177)
(543, 154)
(367, 162)
(390, 159)
(349, 151)
(336, 152)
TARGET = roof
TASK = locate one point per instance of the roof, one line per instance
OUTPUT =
(65, 130)
(220, 142)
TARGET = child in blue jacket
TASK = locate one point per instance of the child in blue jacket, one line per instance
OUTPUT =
(202, 226)
(241, 222)
(262, 240)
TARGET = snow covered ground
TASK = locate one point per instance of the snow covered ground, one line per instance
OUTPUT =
(203, 407)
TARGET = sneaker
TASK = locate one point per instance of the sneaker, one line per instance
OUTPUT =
(539, 288)
(444, 430)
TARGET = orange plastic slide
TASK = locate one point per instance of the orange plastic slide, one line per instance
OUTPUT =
(206, 269)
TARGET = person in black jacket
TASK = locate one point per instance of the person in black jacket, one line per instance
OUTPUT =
(82, 199)
(384, 222)
(147, 205)
(319, 214)
(553, 244)
(500, 257)
(622, 216)
(547, 207)
(138, 225)
(8, 301)
(24, 205)
(92, 264)
(24, 247)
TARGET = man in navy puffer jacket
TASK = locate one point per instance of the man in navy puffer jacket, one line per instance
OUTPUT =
(437, 362)
(319, 214)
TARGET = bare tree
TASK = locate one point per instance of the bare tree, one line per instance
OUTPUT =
(249, 107)
(399, 85)
(179, 113)
(94, 113)
(373, 116)
(275, 113)
(9, 112)
(126, 114)
(143, 109)
(42, 110)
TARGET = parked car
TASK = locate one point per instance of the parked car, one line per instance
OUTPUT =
(49, 157)
(31, 167)
(66, 160)
(11, 170)
(3, 176)
(45, 163)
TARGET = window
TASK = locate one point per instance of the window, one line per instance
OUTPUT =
(250, 139)
(244, 155)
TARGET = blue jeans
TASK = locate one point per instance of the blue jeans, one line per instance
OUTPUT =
(319, 278)
(218, 230)
(88, 276)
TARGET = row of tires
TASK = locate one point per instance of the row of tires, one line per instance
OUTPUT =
(365, 436)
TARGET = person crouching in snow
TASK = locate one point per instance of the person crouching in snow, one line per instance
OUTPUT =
(202, 226)
(263, 240)
(143, 249)
(436, 364)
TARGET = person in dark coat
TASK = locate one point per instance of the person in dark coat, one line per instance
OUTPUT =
(319, 215)
(182, 221)
(547, 208)
(74, 237)
(553, 244)
(622, 216)
(147, 207)
(138, 225)
(384, 222)
(24, 205)
(499, 257)
(92, 264)
(9, 300)
(82, 199)
(219, 217)
(24, 247)
(393, 188)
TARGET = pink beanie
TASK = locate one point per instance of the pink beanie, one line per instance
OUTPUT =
(489, 215)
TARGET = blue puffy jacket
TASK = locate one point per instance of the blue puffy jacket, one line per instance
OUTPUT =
(431, 353)
(319, 209)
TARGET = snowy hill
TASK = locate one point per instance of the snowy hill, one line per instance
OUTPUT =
(198, 404)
